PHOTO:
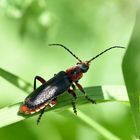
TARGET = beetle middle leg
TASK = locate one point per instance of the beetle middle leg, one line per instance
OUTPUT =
(51, 104)
(82, 90)
(73, 99)
(39, 79)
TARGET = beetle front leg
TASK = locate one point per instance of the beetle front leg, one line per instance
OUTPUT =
(73, 99)
(82, 90)
(73, 86)
(39, 79)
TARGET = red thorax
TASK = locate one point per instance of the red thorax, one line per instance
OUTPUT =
(74, 73)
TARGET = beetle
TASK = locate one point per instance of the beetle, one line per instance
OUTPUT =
(46, 94)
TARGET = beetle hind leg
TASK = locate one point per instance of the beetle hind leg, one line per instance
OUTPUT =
(41, 113)
(39, 79)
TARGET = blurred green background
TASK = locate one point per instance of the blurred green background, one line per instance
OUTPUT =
(85, 27)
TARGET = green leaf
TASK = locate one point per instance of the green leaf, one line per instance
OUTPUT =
(131, 70)
(15, 80)
(99, 93)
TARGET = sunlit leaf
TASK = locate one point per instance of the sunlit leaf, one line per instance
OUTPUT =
(131, 70)
(100, 94)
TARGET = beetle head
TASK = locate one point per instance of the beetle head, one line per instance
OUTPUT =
(84, 66)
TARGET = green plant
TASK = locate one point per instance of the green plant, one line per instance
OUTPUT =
(87, 28)
(131, 69)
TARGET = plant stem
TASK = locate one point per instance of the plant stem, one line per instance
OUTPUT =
(100, 129)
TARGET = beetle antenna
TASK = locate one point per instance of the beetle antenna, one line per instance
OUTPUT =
(41, 113)
(104, 52)
(66, 49)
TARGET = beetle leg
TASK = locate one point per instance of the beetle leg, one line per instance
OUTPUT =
(51, 104)
(73, 100)
(82, 90)
(39, 79)
(72, 93)
(74, 87)
(41, 113)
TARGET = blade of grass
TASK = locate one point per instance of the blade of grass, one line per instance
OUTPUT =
(131, 70)
(15, 80)
(99, 128)
(9, 115)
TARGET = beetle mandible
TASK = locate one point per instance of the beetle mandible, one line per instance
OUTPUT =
(46, 95)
